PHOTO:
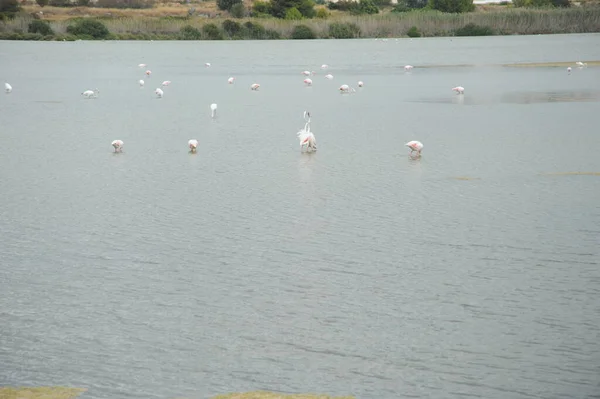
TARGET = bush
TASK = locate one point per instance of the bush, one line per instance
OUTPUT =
(365, 7)
(474, 30)
(231, 27)
(254, 30)
(189, 33)
(60, 3)
(138, 4)
(303, 32)
(452, 6)
(8, 9)
(41, 27)
(343, 5)
(42, 3)
(238, 10)
(227, 4)
(88, 27)
(212, 32)
(261, 7)
(322, 13)
(408, 5)
(382, 3)
(83, 3)
(413, 32)
(339, 30)
(293, 14)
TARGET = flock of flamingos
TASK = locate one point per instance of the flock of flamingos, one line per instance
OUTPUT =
(307, 139)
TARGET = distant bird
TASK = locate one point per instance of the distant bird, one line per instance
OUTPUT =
(141, 82)
(581, 64)
(306, 137)
(324, 66)
(193, 144)
(207, 64)
(159, 93)
(255, 86)
(360, 83)
(166, 83)
(118, 145)
(459, 90)
(346, 89)
(568, 69)
(142, 65)
(329, 76)
(308, 82)
(415, 146)
(408, 68)
(7, 88)
(148, 72)
(213, 110)
(90, 93)
(307, 73)
(230, 80)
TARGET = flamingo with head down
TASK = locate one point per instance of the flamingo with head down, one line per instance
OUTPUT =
(415, 146)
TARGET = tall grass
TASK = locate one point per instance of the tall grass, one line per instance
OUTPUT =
(429, 23)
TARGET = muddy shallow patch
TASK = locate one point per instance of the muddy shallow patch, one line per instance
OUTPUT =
(465, 178)
(274, 395)
(40, 392)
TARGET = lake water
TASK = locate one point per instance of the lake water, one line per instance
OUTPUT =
(471, 272)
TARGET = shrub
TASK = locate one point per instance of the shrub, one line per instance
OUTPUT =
(474, 30)
(293, 14)
(382, 3)
(88, 27)
(125, 3)
(261, 7)
(231, 27)
(365, 7)
(42, 3)
(408, 5)
(452, 6)
(60, 3)
(343, 5)
(303, 32)
(413, 32)
(8, 9)
(212, 32)
(83, 3)
(255, 31)
(189, 33)
(307, 8)
(322, 13)
(238, 10)
(339, 30)
(227, 4)
(39, 26)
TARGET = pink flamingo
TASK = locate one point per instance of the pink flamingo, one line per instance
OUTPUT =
(415, 146)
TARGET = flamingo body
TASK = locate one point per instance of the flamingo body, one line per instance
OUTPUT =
(141, 82)
(408, 68)
(255, 86)
(329, 76)
(213, 110)
(230, 80)
(117, 145)
(166, 83)
(193, 144)
(307, 139)
(148, 72)
(90, 93)
(459, 90)
(7, 88)
(415, 146)
(360, 84)
(159, 93)
(308, 82)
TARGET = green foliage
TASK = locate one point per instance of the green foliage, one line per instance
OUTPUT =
(212, 32)
(413, 32)
(189, 33)
(41, 27)
(409, 5)
(382, 3)
(231, 27)
(303, 32)
(365, 7)
(42, 3)
(340, 30)
(343, 5)
(238, 10)
(227, 4)
(280, 7)
(8, 9)
(452, 6)
(293, 14)
(255, 31)
(474, 30)
(83, 3)
(138, 4)
(322, 13)
(88, 27)
(541, 3)
(261, 7)
(61, 3)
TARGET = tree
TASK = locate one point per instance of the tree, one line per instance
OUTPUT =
(293, 14)
(9, 8)
(280, 7)
(452, 6)
(42, 3)
(227, 4)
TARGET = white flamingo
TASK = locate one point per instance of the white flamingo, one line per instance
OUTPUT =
(230, 80)
(90, 93)
(306, 137)
(159, 93)
(7, 88)
(329, 76)
(148, 73)
(581, 64)
(255, 86)
(308, 82)
(213, 110)
(141, 82)
(360, 83)
(166, 83)
(324, 66)
(408, 68)
(346, 89)
(207, 64)
(568, 69)
(193, 144)
(142, 65)
(459, 90)
(415, 146)
(118, 145)
(308, 73)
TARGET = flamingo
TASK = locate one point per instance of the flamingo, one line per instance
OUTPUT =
(90, 93)
(166, 83)
(308, 82)
(459, 90)
(159, 93)
(568, 69)
(207, 64)
(118, 145)
(329, 76)
(324, 66)
(141, 82)
(306, 137)
(360, 83)
(346, 89)
(408, 68)
(148, 73)
(7, 88)
(142, 65)
(193, 144)
(415, 146)
(213, 110)
(307, 73)
(230, 80)
(255, 86)
(581, 64)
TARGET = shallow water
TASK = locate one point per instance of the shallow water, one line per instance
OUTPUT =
(471, 272)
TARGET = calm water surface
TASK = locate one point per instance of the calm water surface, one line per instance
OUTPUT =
(472, 272)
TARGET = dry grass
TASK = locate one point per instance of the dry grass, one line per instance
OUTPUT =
(40, 393)
(273, 395)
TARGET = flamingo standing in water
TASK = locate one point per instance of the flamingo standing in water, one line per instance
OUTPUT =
(148, 73)
(90, 93)
(408, 68)
(255, 86)
(7, 88)
(213, 110)
(568, 69)
(166, 83)
(308, 82)
(207, 64)
(415, 146)
(307, 73)
(230, 80)
(118, 145)
(360, 83)
(324, 66)
(459, 90)
(306, 137)
(193, 144)
(141, 82)
(329, 76)
(346, 89)
(159, 93)
(581, 64)
(142, 65)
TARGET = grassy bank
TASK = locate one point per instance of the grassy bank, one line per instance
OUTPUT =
(504, 21)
